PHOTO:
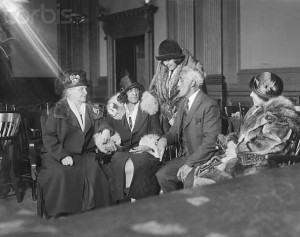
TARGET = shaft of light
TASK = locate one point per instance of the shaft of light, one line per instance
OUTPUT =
(10, 7)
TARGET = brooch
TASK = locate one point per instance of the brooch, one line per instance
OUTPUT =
(74, 79)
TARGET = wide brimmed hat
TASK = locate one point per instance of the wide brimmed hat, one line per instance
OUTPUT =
(266, 85)
(126, 84)
(169, 49)
(72, 78)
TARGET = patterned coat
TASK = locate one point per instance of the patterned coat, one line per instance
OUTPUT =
(273, 128)
(165, 88)
(62, 186)
(145, 164)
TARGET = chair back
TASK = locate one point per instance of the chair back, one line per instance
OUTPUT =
(102, 109)
(45, 106)
(231, 110)
(235, 115)
(243, 109)
(234, 118)
(7, 107)
(9, 126)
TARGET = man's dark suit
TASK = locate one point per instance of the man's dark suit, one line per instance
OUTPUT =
(201, 127)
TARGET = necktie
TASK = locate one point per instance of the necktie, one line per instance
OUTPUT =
(130, 122)
(186, 108)
(81, 116)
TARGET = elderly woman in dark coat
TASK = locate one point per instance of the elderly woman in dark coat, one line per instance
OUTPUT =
(271, 126)
(71, 180)
(130, 133)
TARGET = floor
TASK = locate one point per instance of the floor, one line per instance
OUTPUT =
(27, 202)
(264, 204)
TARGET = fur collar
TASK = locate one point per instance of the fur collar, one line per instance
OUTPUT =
(148, 105)
(62, 110)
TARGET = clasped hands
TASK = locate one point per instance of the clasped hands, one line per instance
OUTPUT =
(110, 146)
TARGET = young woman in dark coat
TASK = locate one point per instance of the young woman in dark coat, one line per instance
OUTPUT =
(129, 134)
(71, 180)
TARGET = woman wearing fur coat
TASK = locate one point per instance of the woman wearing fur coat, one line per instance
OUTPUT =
(271, 126)
(71, 180)
(163, 86)
(129, 134)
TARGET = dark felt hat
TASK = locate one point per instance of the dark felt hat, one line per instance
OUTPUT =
(169, 49)
(72, 78)
(126, 84)
(266, 85)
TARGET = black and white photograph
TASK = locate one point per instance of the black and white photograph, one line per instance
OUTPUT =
(133, 118)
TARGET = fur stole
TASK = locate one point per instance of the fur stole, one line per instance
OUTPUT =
(148, 105)
(165, 88)
(272, 128)
(278, 110)
(62, 110)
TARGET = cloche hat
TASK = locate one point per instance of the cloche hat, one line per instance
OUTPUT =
(169, 49)
(266, 85)
(126, 84)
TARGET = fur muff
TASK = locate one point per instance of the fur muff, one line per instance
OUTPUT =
(98, 138)
(150, 140)
(148, 104)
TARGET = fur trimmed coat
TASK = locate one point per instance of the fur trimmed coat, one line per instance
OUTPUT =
(62, 187)
(165, 88)
(146, 130)
(273, 128)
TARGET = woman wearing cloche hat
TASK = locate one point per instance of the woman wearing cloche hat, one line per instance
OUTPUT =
(271, 126)
(71, 180)
(163, 86)
(129, 135)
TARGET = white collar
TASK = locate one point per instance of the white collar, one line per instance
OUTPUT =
(132, 115)
(192, 98)
(81, 119)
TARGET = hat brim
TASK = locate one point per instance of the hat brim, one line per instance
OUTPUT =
(170, 56)
(76, 85)
(134, 85)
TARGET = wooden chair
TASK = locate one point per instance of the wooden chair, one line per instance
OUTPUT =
(33, 126)
(9, 126)
(7, 107)
(45, 106)
(102, 109)
(234, 118)
(235, 115)
(243, 109)
(170, 153)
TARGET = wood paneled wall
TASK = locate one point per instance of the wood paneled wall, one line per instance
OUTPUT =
(197, 26)
(216, 43)
(79, 43)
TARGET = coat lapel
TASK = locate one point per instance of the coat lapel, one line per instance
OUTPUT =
(194, 107)
(73, 120)
(88, 121)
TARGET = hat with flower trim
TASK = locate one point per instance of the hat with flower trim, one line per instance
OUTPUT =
(72, 78)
